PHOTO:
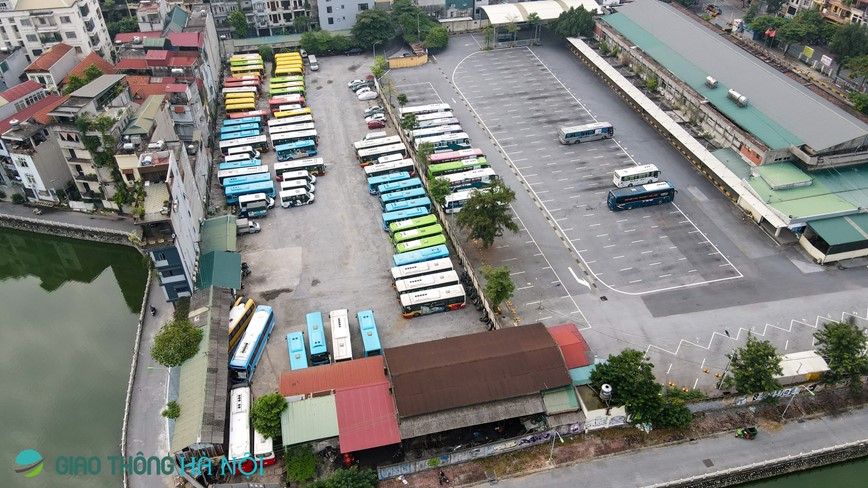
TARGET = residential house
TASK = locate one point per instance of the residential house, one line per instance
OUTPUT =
(12, 101)
(339, 15)
(151, 15)
(92, 59)
(52, 67)
(12, 63)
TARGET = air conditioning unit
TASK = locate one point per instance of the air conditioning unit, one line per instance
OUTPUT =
(710, 82)
(129, 146)
(738, 98)
(177, 71)
(147, 159)
(137, 39)
(15, 123)
(161, 144)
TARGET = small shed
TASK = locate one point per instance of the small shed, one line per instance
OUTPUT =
(801, 367)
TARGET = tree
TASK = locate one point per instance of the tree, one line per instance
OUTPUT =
(239, 22)
(352, 478)
(267, 53)
(402, 100)
(301, 23)
(860, 101)
(127, 24)
(172, 410)
(487, 213)
(437, 38)
(379, 68)
(439, 189)
(533, 20)
(316, 42)
(498, 284)
(575, 22)
(633, 384)
(488, 35)
(774, 6)
(300, 463)
(512, 28)
(674, 413)
(842, 345)
(754, 367)
(75, 82)
(266, 414)
(858, 67)
(850, 41)
(373, 25)
(752, 12)
(176, 342)
(425, 150)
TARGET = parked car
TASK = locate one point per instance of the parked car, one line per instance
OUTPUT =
(353, 50)
(360, 86)
(303, 53)
(363, 89)
(376, 124)
(375, 117)
(354, 82)
(368, 95)
(376, 109)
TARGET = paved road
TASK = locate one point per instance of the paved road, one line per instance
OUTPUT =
(650, 466)
(70, 217)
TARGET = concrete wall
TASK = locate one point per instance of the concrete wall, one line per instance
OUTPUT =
(61, 229)
(408, 62)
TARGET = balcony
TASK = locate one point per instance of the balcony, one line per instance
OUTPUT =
(86, 177)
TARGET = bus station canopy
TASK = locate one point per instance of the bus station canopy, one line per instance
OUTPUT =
(546, 10)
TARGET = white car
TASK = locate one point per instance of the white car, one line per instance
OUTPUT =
(375, 117)
(354, 82)
(363, 90)
(368, 95)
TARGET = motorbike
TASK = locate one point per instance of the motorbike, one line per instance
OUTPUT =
(748, 433)
(38, 211)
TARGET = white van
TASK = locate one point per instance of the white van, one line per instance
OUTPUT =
(314, 66)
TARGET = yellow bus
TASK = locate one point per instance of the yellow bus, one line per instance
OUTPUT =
(288, 71)
(247, 69)
(287, 57)
(239, 96)
(246, 57)
(240, 107)
(292, 113)
(239, 316)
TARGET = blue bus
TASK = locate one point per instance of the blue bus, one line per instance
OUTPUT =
(399, 185)
(233, 192)
(296, 150)
(405, 204)
(228, 136)
(243, 180)
(399, 196)
(421, 255)
(370, 338)
(249, 349)
(243, 121)
(239, 127)
(247, 163)
(297, 354)
(641, 196)
(319, 353)
(389, 217)
(374, 182)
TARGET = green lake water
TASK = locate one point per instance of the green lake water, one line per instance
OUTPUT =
(68, 327)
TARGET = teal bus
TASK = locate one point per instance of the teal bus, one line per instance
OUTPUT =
(417, 244)
(435, 170)
(375, 182)
(417, 233)
(243, 163)
(245, 171)
(297, 354)
(368, 328)
(228, 136)
(420, 255)
(233, 192)
(285, 138)
(398, 196)
(319, 353)
(409, 224)
(391, 217)
(243, 180)
(243, 121)
(247, 353)
(239, 127)
(641, 196)
(296, 150)
(423, 202)
(399, 185)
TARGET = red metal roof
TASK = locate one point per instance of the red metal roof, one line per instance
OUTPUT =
(21, 91)
(47, 103)
(47, 60)
(42, 115)
(366, 417)
(157, 55)
(132, 63)
(91, 59)
(182, 61)
(572, 344)
(128, 36)
(347, 374)
(187, 39)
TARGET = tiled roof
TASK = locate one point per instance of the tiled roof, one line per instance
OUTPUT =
(45, 104)
(572, 345)
(366, 417)
(347, 374)
(187, 39)
(42, 115)
(182, 61)
(21, 91)
(128, 36)
(91, 59)
(132, 63)
(47, 60)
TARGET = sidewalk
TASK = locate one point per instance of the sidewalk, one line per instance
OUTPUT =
(69, 217)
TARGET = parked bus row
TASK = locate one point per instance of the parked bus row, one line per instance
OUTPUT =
(342, 349)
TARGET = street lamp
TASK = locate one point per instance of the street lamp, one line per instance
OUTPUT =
(552, 451)
(418, 31)
(375, 49)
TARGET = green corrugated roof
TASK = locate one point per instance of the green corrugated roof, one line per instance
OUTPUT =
(802, 202)
(154, 43)
(179, 17)
(582, 376)
(309, 420)
(842, 230)
(143, 120)
(733, 161)
(219, 268)
(851, 184)
(218, 234)
(783, 176)
(560, 400)
(191, 392)
(755, 121)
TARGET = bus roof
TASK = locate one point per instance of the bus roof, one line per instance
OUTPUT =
(431, 295)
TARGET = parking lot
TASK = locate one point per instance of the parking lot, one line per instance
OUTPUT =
(333, 254)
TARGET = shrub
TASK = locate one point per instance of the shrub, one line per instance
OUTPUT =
(172, 411)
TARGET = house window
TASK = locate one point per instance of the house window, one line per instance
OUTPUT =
(32, 38)
(70, 35)
(21, 162)
(31, 180)
(331, 21)
(26, 22)
(363, 7)
(328, 10)
(65, 20)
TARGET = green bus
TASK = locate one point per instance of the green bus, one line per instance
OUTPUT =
(414, 223)
(418, 233)
(417, 244)
(285, 79)
(292, 90)
(452, 167)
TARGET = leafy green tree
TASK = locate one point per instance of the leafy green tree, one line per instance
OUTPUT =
(439, 189)
(423, 152)
(752, 12)
(266, 414)
(674, 413)
(238, 21)
(409, 120)
(352, 478)
(437, 38)
(842, 345)
(126, 24)
(267, 53)
(488, 35)
(379, 69)
(75, 82)
(300, 463)
(172, 410)
(575, 22)
(176, 342)
(860, 101)
(402, 100)
(754, 367)
(512, 28)
(858, 67)
(850, 41)
(340, 44)
(487, 213)
(498, 284)
(316, 42)
(534, 21)
(401, 7)
(633, 384)
(373, 25)
(301, 24)
(774, 6)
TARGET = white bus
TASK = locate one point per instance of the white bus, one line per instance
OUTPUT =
(391, 167)
(585, 133)
(239, 422)
(432, 301)
(250, 170)
(373, 154)
(435, 131)
(445, 142)
(435, 122)
(236, 158)
(425, 109)
(434, 116)
(380, 141)
(475, 178)
(297, 175)
(423, 268)
(426, 282)
(254, 205)
(246, 151)
(454, 201)
(257, 143)
(241, 89)
(341, 346)
(272, 131)
(635, 176)
(295, 198)
(298, 119)
(287, 184)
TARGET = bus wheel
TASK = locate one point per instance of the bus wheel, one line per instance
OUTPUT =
(629, 185)
(417, 314)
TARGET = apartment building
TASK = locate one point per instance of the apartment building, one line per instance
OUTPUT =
(51, 68)
(338, 15)
(842, 13)
(267, 17)
(37, 25)
(12, 64)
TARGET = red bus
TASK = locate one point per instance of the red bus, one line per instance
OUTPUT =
(275, 103)
(448, 156)
(252, 113)
(236, 84)
(232, 79)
